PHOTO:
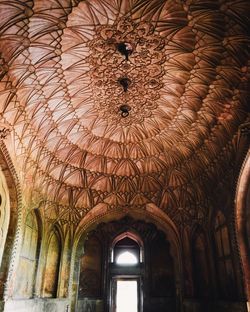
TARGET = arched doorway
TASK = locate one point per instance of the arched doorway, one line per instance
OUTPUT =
(130, 257)
(126, 273)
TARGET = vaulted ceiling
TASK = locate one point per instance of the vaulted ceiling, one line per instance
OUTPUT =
(61, 97)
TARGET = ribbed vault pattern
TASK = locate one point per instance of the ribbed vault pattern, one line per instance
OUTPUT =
(189, 93)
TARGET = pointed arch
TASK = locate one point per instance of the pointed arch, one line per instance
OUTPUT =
(103, 213)
(134, 237)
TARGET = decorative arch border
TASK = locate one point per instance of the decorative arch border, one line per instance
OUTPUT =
(16, 207)
(129, 234)
(242, 189)
(104, 213)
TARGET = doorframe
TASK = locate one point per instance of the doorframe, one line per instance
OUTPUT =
(112, 290)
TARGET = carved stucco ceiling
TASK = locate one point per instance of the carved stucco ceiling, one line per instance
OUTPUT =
(188, 94)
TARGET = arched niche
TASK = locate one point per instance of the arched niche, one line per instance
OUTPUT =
(225, 271)
(201, 272)
(52, 265)
(102, 213)
(26, 273)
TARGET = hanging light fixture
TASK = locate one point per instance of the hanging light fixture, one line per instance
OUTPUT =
(124, 109)
(125, 49)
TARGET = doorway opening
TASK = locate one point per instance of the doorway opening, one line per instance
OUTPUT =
(114, 256)
(126, 295)
(125, 273)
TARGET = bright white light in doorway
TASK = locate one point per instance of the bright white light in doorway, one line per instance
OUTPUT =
(127, 258)
(127, 296)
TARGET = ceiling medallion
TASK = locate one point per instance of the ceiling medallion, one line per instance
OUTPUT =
(126, 70)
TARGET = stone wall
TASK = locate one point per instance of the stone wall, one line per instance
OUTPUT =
(37, 305)
(159, 305)
(89, 305)
(1, 306)
(216, 306)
